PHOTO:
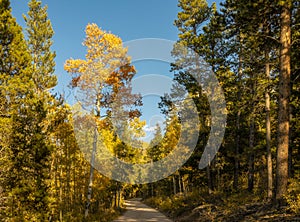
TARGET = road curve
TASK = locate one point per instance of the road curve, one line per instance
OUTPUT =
(139, 212)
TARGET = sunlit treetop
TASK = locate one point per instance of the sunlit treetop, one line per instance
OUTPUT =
(105, 56)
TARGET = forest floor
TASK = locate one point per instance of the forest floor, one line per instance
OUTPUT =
(247, 213)
(218, 208)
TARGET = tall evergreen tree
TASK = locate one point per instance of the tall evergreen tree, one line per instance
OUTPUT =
(40, 33)
(16, 94)
(284, 100)
(190, 22)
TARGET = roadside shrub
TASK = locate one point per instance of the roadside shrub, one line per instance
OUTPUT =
(293, 195)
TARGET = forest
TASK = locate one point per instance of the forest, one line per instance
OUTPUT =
(50, 149)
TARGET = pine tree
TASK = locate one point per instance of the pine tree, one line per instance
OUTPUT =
(284, 100)
(190, 22)
(40, 33)
(154, 150)
(16, 94)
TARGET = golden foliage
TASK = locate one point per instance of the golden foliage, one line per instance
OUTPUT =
(106, 61)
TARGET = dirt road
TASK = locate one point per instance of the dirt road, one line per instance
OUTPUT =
(139, 212)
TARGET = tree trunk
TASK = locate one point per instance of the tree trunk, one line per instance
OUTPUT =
(218, 177)
(290, 160)
(209, 179)
(74, 187)
(251, 157)
(116, 198)
(179, 183)
(152, 190)
(61, 204)
(268, 132)
(284, 94)
(90, 186)
(238, 117)
(68, 182)
(89, 194)
(174, 185)
(183, 186)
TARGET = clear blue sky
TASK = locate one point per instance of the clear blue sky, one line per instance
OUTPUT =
(129, 19)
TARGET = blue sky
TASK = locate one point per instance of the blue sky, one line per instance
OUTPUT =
(129, 19)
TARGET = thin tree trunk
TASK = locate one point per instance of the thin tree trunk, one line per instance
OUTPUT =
(290, 160)
(152, 190)
(183, 186)
(237, 152)
(90, 186)
(174, 185)
(209, 179)
(68, 185)
(74, 186)
(116, 198)
(208, 168)
(268, 132)
(252, 134)
(218, 179)
(179, 183)
(61, 188)
(284, 94)
(238, 117)
(251, 157)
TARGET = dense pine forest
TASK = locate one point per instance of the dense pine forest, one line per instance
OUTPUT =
(253, 48)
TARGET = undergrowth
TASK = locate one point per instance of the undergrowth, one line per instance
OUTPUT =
(242, 206)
